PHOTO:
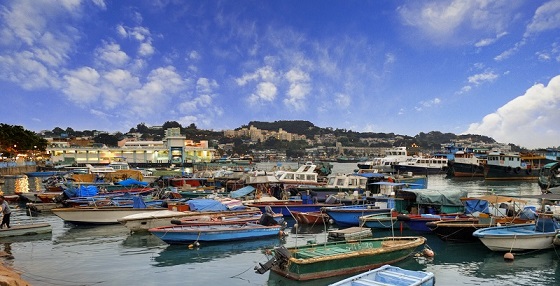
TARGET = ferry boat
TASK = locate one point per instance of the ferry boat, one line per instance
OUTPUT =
(393, 156)
(423, 165)
(513, 166)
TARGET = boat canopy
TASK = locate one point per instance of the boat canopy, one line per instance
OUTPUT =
(206, 205)
(242, 192)
(132, 182)
(550, 165)
(438, 197)
(371, 175)
(493, 199)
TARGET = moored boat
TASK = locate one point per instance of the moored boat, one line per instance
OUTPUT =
(520, 237)
(380, 221)
(466, 164)
(389, 275)
(314, 261)
(350, 215)
(180, 234)
(423, 165)
(26, 229)
(513, 166)
(313, 218)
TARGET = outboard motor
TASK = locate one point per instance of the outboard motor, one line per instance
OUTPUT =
(280, 259)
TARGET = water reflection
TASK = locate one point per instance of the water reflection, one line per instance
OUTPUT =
(181, 254)
(88, 235)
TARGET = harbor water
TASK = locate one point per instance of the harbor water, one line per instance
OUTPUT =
(110, 255)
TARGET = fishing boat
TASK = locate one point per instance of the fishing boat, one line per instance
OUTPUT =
(181, 234)
(26, 229)
(306, 174)
(380, 221)
(466, 164)
(549, 176)
(389, 275)
(514, 166)
(285, 207)
(45, 173)
(314, 261)
(318, 217)
(350, 215)
(97, 215)
(520, 237)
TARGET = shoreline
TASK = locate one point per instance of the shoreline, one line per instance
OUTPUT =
(8, 275)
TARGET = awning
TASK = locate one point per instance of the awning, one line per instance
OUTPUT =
(493, 199)
(242, 192)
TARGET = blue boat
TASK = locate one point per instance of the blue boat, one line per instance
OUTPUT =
(389, 276)
(350, 215)
(286, 207)
(45, 173)
(182, 234)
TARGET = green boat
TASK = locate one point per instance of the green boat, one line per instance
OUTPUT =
(314, 261)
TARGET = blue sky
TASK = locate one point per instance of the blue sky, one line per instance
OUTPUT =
(481, 67)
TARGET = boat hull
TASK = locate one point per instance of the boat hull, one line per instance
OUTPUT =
(183, 234)
(390, 275)
(420, 170)
(350, 215)
(286, 209)
(310, 217)
(495, 172)
(465, 170)
(515, 238)
(381, 221)
(346, 258)
(26, 229)
(92, 215)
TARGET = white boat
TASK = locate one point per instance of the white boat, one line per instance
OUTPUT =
(392, 157)
(143, 221)
(423, 165)
(98, 215)
(346, 182)
(304, 175)
(520, 237)
(389, 276)
(26, 229)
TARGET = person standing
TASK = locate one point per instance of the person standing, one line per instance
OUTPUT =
(6, 212)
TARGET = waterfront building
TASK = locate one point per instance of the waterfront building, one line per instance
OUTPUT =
(173, 149)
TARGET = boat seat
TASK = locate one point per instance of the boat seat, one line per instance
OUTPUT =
(394, 278)
(367, 282)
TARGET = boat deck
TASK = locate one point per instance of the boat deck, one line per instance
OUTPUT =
(329, 250)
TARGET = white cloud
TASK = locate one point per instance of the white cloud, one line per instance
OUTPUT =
(265, 92)
(121, 31)
(427, 104)
(265, 73)
(448, 21)
(530, 120)
(480, 78)
(547, 17)
(146, 49)
(194, 55)
(100, 4)
(488, 41)
(299, 89)
(81, 86)
(342, 100)
(111, 53)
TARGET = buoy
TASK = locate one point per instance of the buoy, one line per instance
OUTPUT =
(331, 221)
(428, 252)
(508, 256)
(191, 246)
(196, 243)
(296, 225)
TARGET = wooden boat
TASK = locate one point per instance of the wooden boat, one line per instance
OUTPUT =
(381, 221)
(311, 217)
(180, 234)
(462, 230)
(390, 275)
(314, 261)
(98, 215)
(418, 222)
(350, 233)
(520, 237)
(350, 215)
(285, 207)
(26, 229)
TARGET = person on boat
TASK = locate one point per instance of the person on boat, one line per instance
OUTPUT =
(6, 212)
(267, 218)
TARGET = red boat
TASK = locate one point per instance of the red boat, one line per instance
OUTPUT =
(311, 217)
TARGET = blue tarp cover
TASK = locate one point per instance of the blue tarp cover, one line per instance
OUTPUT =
(206, 205)
(138, 203)
(472, 206)
(371, 175)
(438, 197)
(84, 191)
(242, 192)
(132, 182)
